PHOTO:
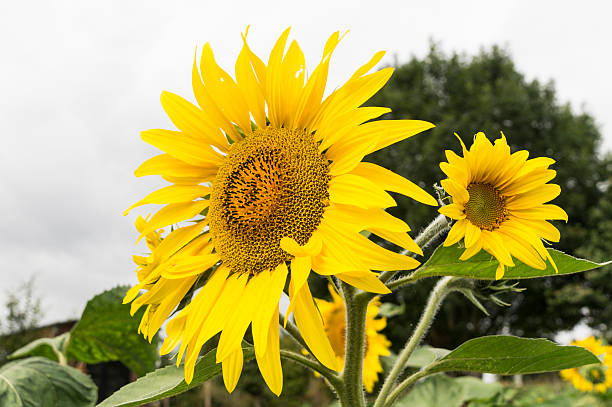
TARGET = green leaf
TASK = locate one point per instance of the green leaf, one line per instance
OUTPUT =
(435, 391)
(445, 262)
(50, 348)
(443, 391)
(167, 381)
(509, 355)
(389, 310)
(39, 382)
(107, 332)
(425, 355)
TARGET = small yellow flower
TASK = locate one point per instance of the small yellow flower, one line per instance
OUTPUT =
(500, 203)
(591, 378)
(377, 345)
(267, 185)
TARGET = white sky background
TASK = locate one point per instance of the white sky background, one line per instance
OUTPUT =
(79, 80)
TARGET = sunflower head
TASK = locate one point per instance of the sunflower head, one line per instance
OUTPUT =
(499, 200)
(591, 378)
(377, 345)
(267, 185)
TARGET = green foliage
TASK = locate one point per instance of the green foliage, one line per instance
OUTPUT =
(167, 381)
(443, 391)
(509, 355)
(23, 313)
(445, 262)
(425, 355)
(50, 348)
(107, 332)
(487, 93)
(39, 382)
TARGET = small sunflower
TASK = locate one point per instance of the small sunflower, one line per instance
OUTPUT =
(377, 345)
(269, 175)
(596, 377)
(500, 203)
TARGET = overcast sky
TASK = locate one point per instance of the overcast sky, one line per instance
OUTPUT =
(79, 80)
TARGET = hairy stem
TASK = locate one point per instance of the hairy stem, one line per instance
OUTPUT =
(409, 381)
(433, 303)
(292, 330)
(314, 365)
(352, 394)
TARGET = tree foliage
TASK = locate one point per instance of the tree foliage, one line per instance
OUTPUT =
(487, 93)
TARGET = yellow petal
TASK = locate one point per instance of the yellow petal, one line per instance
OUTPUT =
(457, 191)
(311, 248)
(366, 281)
(542, 194)
(373, 255)
(251, 88)
(541, 212)
(273, 85)
(224, 90)
(191, 120)
(191, 266)
(300, 269)
(453, 211)
(354, 190)
(181, 146)
(269, 302)
(165, 164)
(528, 182)
(493, 243)
(346, 154)
(364, 219)
(472, 234)
(401, 239)
(174, 213)
(499, 272)
(232, 368)
(172, 194)
(239, 318)
(388, 132)
(391, 181)
(456, 232)
(269, 362)
(309, 323)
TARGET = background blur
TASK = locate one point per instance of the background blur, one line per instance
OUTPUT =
(80, 80)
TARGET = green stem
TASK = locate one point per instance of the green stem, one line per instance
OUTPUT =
(351, 394)
(433, 303)
(409, 381)
(314, 365)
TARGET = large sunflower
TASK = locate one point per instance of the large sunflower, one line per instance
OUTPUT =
(270, 175)
(597, 377)
(377, 345)
(499, 202)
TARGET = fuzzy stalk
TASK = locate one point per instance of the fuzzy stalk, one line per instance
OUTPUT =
(433, 304)
(352, 394)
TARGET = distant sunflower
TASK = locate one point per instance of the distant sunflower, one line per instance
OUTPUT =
(270, 175)
(377, 345)
(499, 202)
(596, 377)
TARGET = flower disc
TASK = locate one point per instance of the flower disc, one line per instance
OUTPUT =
(273, 184)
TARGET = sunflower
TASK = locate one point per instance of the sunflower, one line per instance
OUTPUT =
(596, 377)
(334, 320)
(499, 202)
(268, 175)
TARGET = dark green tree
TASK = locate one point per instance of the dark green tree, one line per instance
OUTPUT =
(487, 93)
